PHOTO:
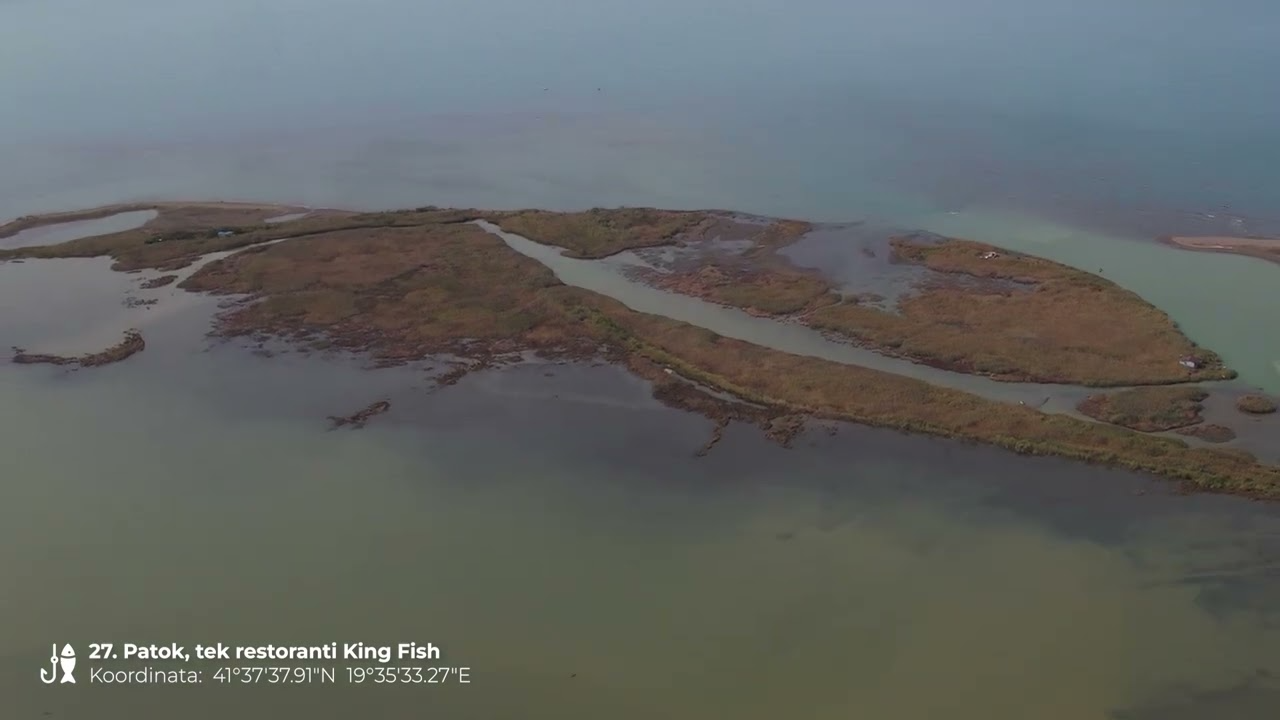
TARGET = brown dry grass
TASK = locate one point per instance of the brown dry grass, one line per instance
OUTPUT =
(1209, 433)
(834, 390)
(181, 234)
(1038, 322)
(759, 292)
(410, 292)
(1149, 409)
(399, 292)
(599, 232)
(1014, 317)
(418, 286)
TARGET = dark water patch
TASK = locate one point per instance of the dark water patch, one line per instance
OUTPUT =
(859, 259)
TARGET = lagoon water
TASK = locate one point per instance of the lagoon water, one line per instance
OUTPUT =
(62, 232)
(555, 533)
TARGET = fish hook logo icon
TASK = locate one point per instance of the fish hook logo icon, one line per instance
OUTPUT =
(67, 662)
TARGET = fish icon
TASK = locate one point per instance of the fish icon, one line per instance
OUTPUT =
(67, 660)
(68, 663)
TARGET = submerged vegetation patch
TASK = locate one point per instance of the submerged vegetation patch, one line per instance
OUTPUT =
(1256, 405)
(132, 344)
(157, 282)
(361, 417)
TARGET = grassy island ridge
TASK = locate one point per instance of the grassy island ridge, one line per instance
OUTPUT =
(184, 232)
(1211, 433)
(599, 233)
(980, 310)
(762, 292)
(409, 285)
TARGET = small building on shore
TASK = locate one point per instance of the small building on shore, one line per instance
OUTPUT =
(1191, 362)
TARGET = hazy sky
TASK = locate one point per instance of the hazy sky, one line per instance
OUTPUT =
(63, 59)
(1170, 100)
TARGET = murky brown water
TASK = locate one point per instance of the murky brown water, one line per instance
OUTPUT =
(556, 535)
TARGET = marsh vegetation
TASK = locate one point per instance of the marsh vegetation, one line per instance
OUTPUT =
(407, 286)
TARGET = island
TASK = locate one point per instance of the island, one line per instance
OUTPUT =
(963, 306)
(1258, 247)
(412, 285)
(1149, 409)
(1256, 405)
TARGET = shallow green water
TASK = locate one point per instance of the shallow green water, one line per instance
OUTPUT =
(679, 587)
(556, 535)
